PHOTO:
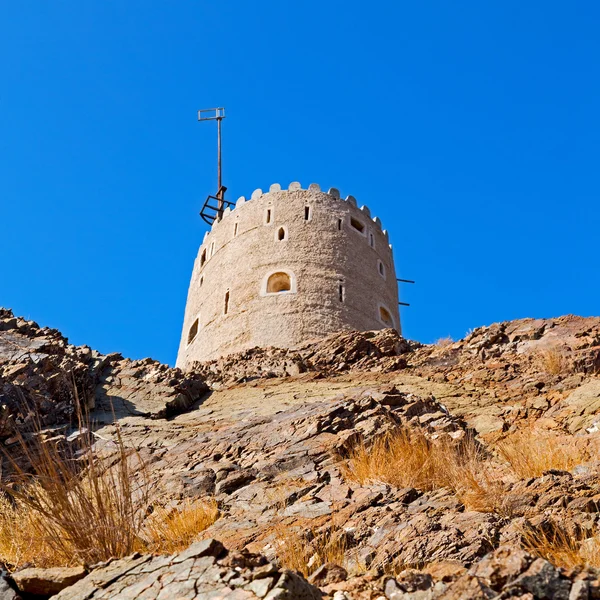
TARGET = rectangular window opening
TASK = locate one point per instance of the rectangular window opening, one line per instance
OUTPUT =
(193, 332)
(226, 309)
(341, 292)
(339, 224)
(307, 213)
(357, 225)
(235, 230)
(371, 241)
(268, 219)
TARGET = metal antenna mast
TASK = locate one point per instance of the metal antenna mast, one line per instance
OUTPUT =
(211, 213)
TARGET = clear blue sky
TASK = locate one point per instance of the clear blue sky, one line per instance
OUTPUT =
(470, 128)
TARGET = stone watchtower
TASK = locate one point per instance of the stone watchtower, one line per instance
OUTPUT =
(286, 267)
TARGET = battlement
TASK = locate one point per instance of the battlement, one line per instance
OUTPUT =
(295, 186)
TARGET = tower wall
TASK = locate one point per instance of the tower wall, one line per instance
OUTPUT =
(229, 306)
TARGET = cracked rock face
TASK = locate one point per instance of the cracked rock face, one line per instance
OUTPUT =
(268, 442)
(204, 570)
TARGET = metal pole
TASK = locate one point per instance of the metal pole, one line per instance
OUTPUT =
(219, 191)
(219, 154)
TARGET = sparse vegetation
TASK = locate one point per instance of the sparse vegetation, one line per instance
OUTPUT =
(444, 342)
(407, 458)
(174, 530)
(553, 361)
(306, 550)
(75, 508)
(531, 453)
(563, 548)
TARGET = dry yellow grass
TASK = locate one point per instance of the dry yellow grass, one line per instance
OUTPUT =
(553, 361)
(407, 458)
(172, 531)
(86, 511)
(22, 537)
(79, 509)
(306, 550)
(563, 549)
(444, 342)
(530, 453)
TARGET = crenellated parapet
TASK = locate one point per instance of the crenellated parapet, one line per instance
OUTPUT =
(294, 187)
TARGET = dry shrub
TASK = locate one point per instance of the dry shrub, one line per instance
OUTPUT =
(305, 551)
(407, 458)
(20, 536)
(444, 342)
(531, 453)
(562, 548)
(173, 531)
(78, 508)
(85, 510)
(553, 361)
(474, 480)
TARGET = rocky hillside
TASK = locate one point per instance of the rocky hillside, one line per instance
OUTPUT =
(361, 466)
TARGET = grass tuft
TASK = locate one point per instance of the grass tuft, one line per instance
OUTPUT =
(553, 361)
(562, 548)
(444, 342)
(305, 551)
(407, 458)
(531, 453)
(71, 508)
(174, 530)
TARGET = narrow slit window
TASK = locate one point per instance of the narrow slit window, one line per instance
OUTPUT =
(268, 216)
(201, 280)
(381, 268)
(341, 292)
(226, 307)
(371, 240)
(356, 224)
(307, 213)
(203, 257)
(235, 229)
(339, 224)
(212, 249)
(193, 332)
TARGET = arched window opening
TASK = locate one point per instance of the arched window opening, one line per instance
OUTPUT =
(279, 282)
(307, 212)
(356, 224)
(226, 307)
(203, 257)
(385, 317)
(339, 224)
(281, 234)
(193, 332)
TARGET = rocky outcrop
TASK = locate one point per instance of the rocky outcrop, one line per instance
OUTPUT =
(44, 379)
(269, 443)
(346, 351)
